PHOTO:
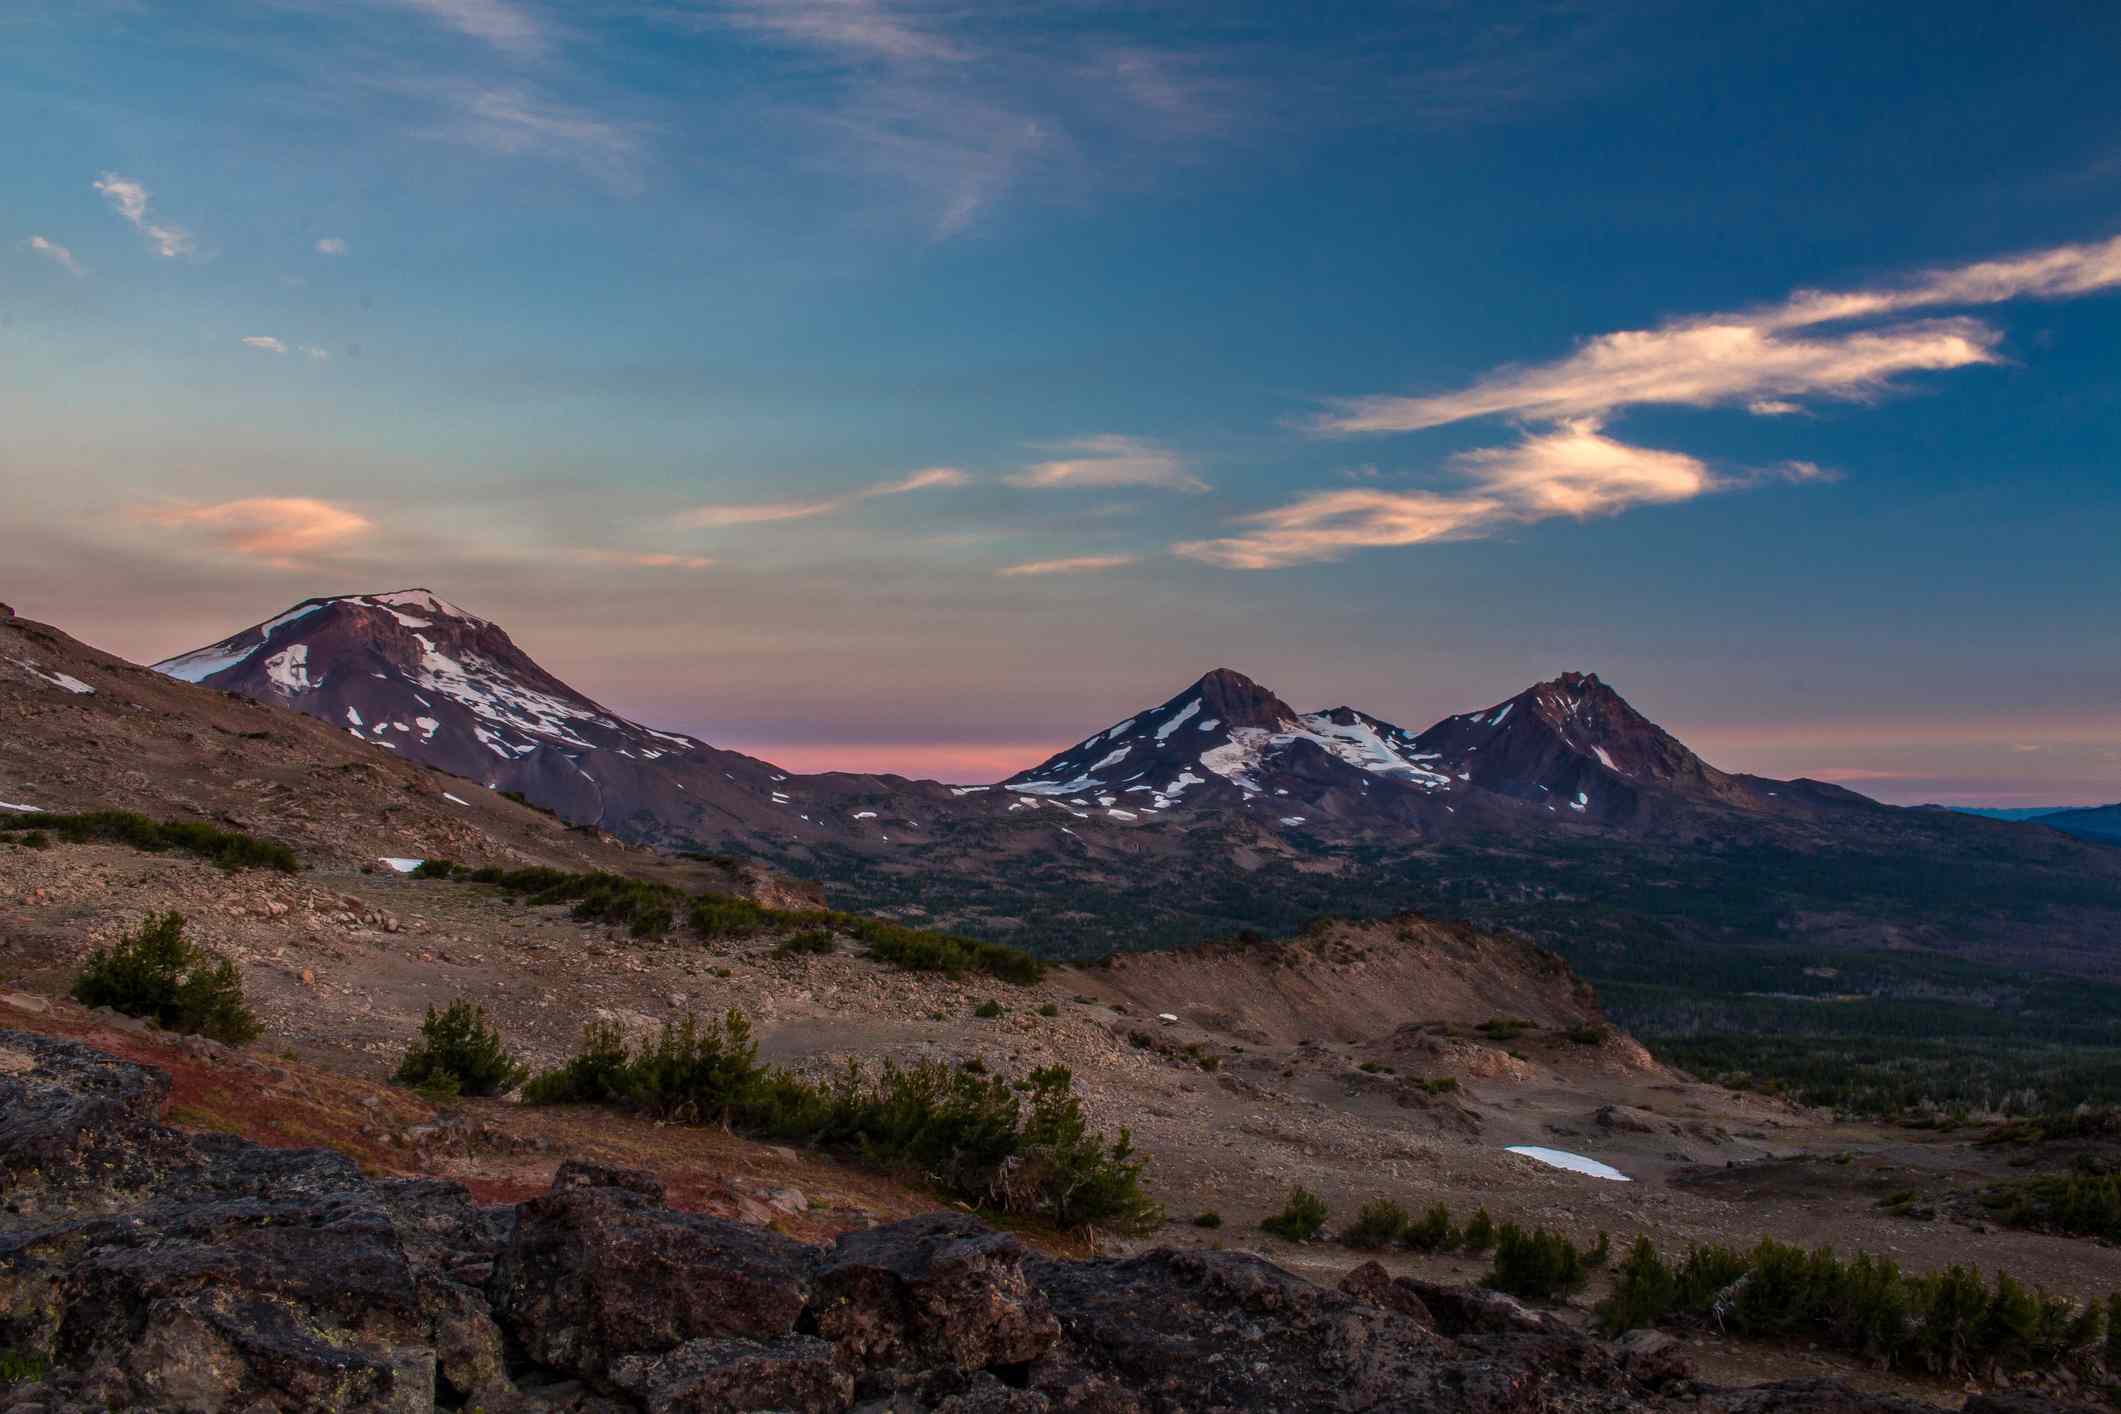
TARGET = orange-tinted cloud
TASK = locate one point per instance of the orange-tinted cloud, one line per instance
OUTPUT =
(1072, 564)
(1574, 470)
(717, 517)
(276, 529)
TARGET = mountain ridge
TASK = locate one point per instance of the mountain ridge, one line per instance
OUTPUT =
(1561, 811)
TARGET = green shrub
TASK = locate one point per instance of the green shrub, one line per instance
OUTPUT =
(1302, 1218)
(1536, 1265)
(1211, 1219)
(156, 972)
(1946, 1323)
(457, 1052)
(1049, 1010)
(1600, 1254)
(1479, 1234)
(1024, 1147)
(1380, 1223)
(1588, 1035)
(35, 839)
(597, 1073)
(988, 1010)
(1645, 1291)
(1433, 1233)
(436, 869)
(231, 849)
(814, 942)
(1503, 1028)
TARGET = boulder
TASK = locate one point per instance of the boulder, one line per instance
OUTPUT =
(1372, 1283)
(729, 1376)
(942, 1289)
(599, 1269)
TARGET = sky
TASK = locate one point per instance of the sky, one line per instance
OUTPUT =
(917, 385)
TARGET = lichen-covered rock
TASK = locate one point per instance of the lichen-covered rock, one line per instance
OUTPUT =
(77, 1125)
(942, 1289)
(596, 1271)
(729, 1376)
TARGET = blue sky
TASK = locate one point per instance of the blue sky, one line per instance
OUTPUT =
(923, 385)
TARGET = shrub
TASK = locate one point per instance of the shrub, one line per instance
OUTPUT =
(988, 1009)
(1588, 1035)
(1380, 1224)
(1536, 1265)
(436, 869)
(1302, 1218)
(1479, 1233)
(1602, 1253)
(1211, 1218)
(1644, 1290)
(1049, 1010)
(1502, 1028)
(1433, 1233)
(156, 972)
(1947, 1322)
(811, 941)
(457, 1052)
(35, 839)
(231, 849)
(596, 1074)
(1024, 1147)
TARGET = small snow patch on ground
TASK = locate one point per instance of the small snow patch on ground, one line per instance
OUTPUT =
(1292, 819)
(25, 809)
(447, 796)
(403, 866)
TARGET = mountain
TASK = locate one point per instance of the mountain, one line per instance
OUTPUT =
(1561, 812)
(2091, 822)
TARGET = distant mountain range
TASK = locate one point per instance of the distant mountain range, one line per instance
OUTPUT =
(1561, 811)
(2090, 822)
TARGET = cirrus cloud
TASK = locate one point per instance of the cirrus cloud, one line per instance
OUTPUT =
(1763, 359)
(1574, 471)
(279, 530)
(1109, 460)
(1072, 564)
(722, 516)
(265, 342)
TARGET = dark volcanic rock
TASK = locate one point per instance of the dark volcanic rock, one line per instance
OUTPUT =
(77, 1123)
(942, 1289)
(596, 1271)
(727, 1376)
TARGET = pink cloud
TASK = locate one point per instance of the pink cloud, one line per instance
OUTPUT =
(276, 529)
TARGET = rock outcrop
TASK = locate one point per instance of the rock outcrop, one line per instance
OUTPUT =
(146, 1269)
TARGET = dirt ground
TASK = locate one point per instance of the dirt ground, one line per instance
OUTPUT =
(341, 965)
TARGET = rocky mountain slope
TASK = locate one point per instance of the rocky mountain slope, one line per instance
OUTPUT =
(2092, 822)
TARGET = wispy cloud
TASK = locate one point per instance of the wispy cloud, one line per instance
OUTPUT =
(860, 28)
(722, 516)
(512, 121)
(630, 559)
(1574, 471)
(1110, 460)
(320, 355)
(331, 245)
(265, 342)
(509, 28)
(278, 530)
(58, 254)
(1072, 564)
(130, 200)
(1762, 359)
